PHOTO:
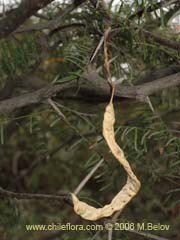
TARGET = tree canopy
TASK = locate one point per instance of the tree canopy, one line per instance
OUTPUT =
(53, 92)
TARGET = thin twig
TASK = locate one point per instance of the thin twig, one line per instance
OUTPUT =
(144, 234)
(99, 69)
(33, 196)
(97, 49)
(150, 104)
(147, 235)
(88, 176)
(53, 105)
(151, 8)
(113, 220)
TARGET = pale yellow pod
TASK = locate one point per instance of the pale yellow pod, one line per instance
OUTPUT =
(129, 190)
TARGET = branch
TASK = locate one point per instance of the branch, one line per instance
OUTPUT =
(19, 15)
(147, 235)
(151, 37)
(61, 197)
(152, 8)
(34, 164)
(139, 92)
(28, 99)
(101, 87)
(34, 196)
(66, 27)
(26, 81)
(88, 176)
(54, 23)
(155, 74)
(8, 88)
(149, 88)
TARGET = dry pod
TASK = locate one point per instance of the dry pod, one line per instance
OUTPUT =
(129, 190)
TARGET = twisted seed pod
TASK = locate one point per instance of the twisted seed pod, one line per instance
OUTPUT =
(129, 190)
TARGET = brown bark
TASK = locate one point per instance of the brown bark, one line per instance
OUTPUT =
(100, 86)
(14, 19)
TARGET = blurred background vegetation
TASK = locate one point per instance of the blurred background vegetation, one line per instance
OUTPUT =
(41, 153)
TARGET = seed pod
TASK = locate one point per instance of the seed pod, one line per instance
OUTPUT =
(129, 190)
